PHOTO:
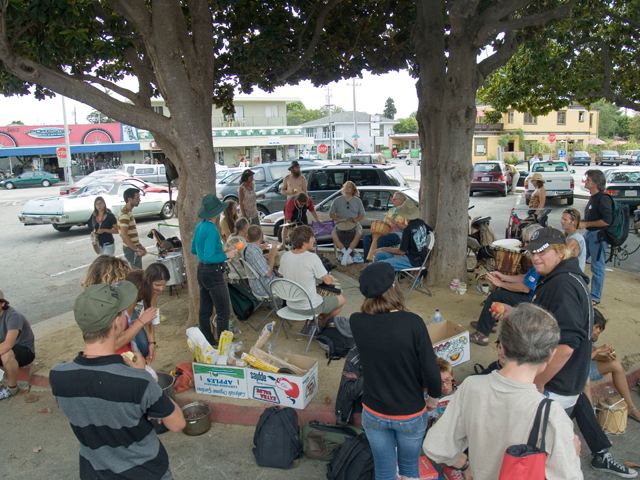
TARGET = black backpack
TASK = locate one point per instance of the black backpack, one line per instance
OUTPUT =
(352, 461)
(242, 301)
(616, 233)
(277, 438)
(336, 338)
(349, 398)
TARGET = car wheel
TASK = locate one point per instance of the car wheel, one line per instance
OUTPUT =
(46, 183)
(471, 193)
(9, 186)
(503, 193)
(589, 164)
(408, 162)
(60, 228)
(262, 212)
(570, 200)
(278, 229)
(526, 200)
(167, 211)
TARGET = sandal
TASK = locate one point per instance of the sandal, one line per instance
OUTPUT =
(637, 419)
(474, 324)
(479, 339)
(595, 303)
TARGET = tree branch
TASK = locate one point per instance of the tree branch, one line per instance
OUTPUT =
(502, 55)
(635, 24)
(134, 12)
(492, 29)
(322, 16)
(21, 32)
(126, 93)
(501, 9)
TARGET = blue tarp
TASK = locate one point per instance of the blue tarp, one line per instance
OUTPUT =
(50, 150)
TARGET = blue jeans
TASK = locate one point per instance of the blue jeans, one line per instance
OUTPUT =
(132, 257)
(389, 240)
(385, 435)
(597, 263)
(398, 263)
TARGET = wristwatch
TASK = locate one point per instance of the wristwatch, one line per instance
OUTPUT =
(465, 466)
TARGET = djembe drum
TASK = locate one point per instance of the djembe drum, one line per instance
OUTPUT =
(346, 232)
(508, 256)
(378, 229)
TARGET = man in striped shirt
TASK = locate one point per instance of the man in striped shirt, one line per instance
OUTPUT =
(131, 247)
(110, 400)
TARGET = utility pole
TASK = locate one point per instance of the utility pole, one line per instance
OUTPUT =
(333, 148)
(68, 176)
(355, 121)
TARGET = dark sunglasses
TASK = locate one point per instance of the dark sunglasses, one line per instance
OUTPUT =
(570, 212)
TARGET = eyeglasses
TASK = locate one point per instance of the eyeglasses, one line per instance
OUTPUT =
(447, 382)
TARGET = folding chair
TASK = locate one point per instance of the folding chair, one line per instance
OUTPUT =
(293, 292)
(416, 273)
(250, 274)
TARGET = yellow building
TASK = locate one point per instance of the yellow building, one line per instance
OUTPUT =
(572, 126)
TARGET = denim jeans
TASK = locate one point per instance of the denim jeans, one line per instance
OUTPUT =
(389, 240)
(398, 263)
(213, 292)
(107, 249)
(132, 257)
(597, 263)
(386, 435)
(486, 322)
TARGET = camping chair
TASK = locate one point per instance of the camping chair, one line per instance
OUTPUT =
(416, 274)
(236, 272)
(291, 291)
(251, 274)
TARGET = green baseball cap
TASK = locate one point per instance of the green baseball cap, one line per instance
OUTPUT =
(99, 305)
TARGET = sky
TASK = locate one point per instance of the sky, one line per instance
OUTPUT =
(372, 92)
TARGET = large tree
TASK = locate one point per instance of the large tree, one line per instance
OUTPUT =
(390, 109)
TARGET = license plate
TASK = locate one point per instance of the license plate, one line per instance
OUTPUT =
(486, 179)
(631, 193)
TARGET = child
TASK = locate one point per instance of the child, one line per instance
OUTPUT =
(603, 361)
(448, 387)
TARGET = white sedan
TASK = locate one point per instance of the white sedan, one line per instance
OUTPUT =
(75, 209)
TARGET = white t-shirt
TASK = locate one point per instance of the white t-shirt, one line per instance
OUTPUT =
(304, 269)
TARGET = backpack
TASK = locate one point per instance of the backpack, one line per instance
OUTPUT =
(336, 341)
(319, 440)
(349, 398)
(277, 438)
(616, 233)
(242, 301)
(352, 461)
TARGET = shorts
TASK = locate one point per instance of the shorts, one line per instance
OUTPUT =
(593, 372)
(328, 305)
(23, 355)
(358, 229)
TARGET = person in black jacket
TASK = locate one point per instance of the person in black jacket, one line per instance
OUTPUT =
(398, 364)
(562, 290)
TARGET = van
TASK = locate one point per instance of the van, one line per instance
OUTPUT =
(366, 159)
(147, 172)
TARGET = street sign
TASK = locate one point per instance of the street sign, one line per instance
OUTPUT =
(355, 135)
(323, 149)
(552, 137)
(355, 143)
(375, 133)
(562, 153)
(61, 153)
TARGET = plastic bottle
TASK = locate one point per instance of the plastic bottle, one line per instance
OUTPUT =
(437, 318)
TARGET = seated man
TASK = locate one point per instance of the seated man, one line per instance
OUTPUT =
(17, 343)
(304, 267)
(413, 246)
(489, 413)
(512, 290)
(263, 266)
(242, 227)
(396, 224)
(348, 208)
(295, 211)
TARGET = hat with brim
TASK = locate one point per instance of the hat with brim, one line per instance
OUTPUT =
(544, 238)
(211, 207)
(408, 210)
(98, 306)
(294, 164)
(537, 177)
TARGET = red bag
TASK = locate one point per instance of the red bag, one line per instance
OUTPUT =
(527, 462)
(184, 377)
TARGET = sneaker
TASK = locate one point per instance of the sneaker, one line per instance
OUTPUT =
(349, 259)
(357, 258)
(605, 462)
(452, 474)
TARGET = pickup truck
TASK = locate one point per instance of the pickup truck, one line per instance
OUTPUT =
(147, 172)
(630, 157)
(558, 180)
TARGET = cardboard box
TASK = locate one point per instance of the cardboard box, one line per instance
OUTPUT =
(427, 471)
(450, 341)
(286, 390)
(230, 382)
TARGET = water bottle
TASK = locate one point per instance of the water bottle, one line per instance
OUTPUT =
(437, 318)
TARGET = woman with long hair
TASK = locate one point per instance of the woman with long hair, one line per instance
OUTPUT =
(228, 221)
(398, 364)
(247, 194)
(106, 269)
(538, 198)
(103, 225)
(575, 241)
(137, 321)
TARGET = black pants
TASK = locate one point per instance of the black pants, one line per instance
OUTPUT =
(486, 322)
(591, 430)
(213, 292)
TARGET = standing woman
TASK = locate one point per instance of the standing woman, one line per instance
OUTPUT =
(228, 221)
(570, 221)
(103, 225)
(398, 364)
(539, 196)
(247, 194)
(211, 268)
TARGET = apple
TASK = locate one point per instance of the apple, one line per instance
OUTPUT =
(497, 307)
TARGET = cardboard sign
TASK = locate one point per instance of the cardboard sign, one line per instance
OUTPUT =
(230, 382)
(450, 341)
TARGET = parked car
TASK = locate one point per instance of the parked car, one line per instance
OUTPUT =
(147, 172)
(377, 200)
(403, 154)
(324, 181)
(366, 159)
(624, 186)
(264, 175)
(523, 169)
(580, 157)
(491, 176)
(226, 172)
(75, 209)
(559, 182)
(608, 156)
(93, 177)
(631, 157)
(30, 179)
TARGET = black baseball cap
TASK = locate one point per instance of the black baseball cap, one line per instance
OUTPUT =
(543, 238)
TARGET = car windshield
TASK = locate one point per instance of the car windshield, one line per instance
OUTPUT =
(221, 174)
(609, 152)
(550, 167)
(94, 189)
(395, 178)
(487, 168)
(616, 176)
(580, 154)
(279, 171)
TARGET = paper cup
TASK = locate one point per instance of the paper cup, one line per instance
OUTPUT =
(156, 320)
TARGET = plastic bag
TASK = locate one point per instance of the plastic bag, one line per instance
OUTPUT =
(200, 348)
(323, 228)
(184, 377)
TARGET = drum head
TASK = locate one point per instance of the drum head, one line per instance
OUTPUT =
(345, 226)
(512, 244)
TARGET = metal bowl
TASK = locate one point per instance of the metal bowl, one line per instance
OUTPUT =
(196, 415)
(165, 380)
